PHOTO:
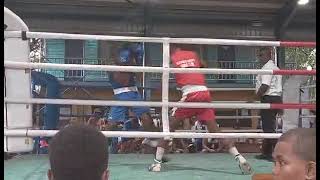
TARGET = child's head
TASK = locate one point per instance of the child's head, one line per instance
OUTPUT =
(295, 155)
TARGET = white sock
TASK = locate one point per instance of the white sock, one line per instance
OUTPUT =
(159, 153)
(234, 152)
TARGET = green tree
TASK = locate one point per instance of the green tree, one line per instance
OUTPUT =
(301, 58)
(36, 50)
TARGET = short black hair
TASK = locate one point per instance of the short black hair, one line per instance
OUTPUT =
(186, 47)
(78, 152)
(303, 141)
(265, 48)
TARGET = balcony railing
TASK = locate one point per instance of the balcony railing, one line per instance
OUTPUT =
(98, 76)
(224, 78)
(78, 75)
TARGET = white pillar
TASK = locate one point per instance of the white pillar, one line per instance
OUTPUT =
(17, 85)
(291, 89)
(165, 86)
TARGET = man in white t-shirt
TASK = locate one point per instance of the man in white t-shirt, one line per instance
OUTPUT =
(268, 90)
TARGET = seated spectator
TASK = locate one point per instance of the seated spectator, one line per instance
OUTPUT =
(294, 156)
(78, 152)
(97, 123)
(98, 113)
(43, 145)
(74, 121)
(209, 145)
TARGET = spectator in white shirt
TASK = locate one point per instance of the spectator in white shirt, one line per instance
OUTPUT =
(268, 90)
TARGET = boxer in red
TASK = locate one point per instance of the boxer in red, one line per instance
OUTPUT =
(194, 89)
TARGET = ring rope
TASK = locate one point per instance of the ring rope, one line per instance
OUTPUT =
(160, 104)
(137, 134)
(47, 35)
(23, 65)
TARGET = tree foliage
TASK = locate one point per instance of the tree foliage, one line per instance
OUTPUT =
(37, 51)
(301, 57)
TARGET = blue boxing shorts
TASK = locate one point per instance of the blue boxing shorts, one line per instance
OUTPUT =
(120, 113)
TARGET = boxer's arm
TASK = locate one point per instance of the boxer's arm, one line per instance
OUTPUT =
(263, 89)
(203, 63)
(138, 76)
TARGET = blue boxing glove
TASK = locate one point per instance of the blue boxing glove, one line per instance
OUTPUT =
(138, 52)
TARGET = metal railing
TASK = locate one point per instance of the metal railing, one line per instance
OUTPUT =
(78, 75)
(224, 78)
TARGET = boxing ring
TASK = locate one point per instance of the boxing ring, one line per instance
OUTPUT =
(18, 110)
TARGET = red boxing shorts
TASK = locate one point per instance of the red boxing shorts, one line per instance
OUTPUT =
(202, 114)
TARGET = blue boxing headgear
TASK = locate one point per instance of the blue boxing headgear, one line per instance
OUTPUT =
(138, 51)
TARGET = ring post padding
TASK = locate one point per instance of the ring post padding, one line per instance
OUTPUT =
(17, 85)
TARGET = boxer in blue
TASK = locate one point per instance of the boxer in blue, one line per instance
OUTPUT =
(125, 89)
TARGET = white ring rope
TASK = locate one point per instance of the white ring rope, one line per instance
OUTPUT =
(24, 65)
(135, 134)
(87, 67)
(225, 131)
(46, 35)
(138, 103)
(152, 103)
(236, 117)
